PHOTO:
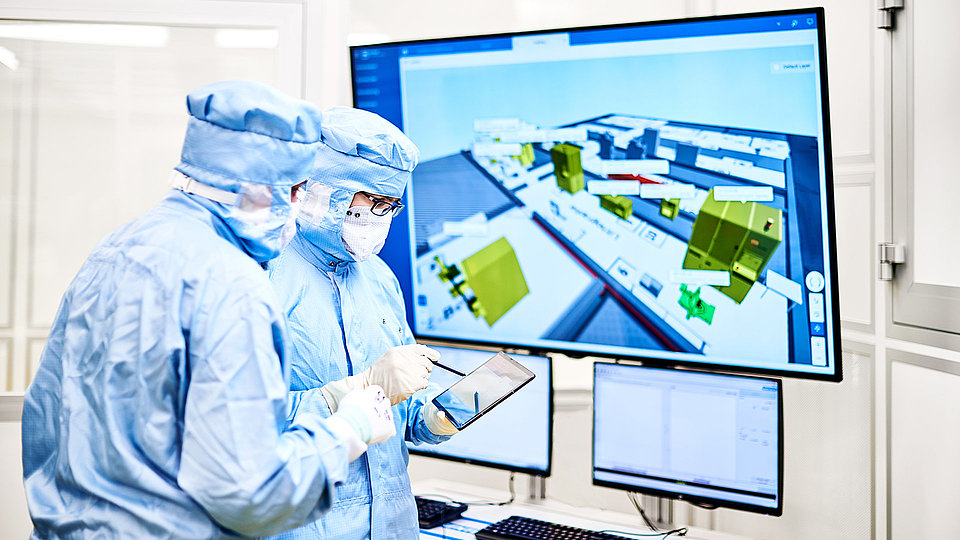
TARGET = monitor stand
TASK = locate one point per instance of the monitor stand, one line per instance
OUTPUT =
(538, 488)
(659, 510)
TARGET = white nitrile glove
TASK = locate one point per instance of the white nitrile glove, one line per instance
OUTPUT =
(401, 371)
(437, 421)
(335, 391)
(363, 418)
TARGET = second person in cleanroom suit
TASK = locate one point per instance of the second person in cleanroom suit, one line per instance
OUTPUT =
(346, 318)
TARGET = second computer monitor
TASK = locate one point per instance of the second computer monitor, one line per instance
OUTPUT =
(516, 435)
(703, 437)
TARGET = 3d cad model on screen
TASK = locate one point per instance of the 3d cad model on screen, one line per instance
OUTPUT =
(633, 231)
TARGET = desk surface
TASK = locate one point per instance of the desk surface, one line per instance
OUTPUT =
(478, 517)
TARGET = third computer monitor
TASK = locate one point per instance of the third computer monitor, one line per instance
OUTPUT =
(515, 435)
(703, 437)
(658, 190)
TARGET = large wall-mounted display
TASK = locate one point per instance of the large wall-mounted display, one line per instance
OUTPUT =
(657, 190)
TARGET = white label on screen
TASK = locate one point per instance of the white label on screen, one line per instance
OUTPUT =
(636, 166)
(718, 278)
(465, 228)
(743, 193)
(496, 149)
(543, 135)
(799, 66)
(785, 286)
(816, 307)
(818, 350)
(496, 124)
(567, 134)
(676, 190)
(613, 187)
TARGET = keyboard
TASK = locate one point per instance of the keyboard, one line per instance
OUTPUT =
(522, 528)
(432, 513)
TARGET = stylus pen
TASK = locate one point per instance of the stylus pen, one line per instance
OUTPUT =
(448, 368)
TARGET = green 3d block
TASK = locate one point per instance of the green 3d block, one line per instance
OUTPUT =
(669, 208)
(494, 275)
(617, 205)
(526, 155)
(735, 237)
(566, 167)
(690, 300)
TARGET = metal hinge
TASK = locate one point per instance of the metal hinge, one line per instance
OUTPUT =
(887, 9)
(890, 254)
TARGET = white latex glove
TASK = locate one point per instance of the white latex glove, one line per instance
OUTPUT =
(437, 422)
(368, 417)
(401, 371)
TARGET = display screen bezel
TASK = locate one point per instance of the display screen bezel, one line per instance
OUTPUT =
(696, 499)
(396, 251)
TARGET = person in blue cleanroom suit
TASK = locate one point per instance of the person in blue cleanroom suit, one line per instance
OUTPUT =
(346, 318)
(160, 408)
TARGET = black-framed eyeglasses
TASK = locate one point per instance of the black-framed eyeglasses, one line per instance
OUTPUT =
(382, 207)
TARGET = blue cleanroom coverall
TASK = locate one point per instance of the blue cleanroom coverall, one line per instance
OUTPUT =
(160, 408)
(343, 315)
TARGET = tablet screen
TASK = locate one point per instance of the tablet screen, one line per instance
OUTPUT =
(481, 389)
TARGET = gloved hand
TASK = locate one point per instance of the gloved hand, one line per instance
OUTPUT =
(363, 418)
(436, 421)
(401, 371)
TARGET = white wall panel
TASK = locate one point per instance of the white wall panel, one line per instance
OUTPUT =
(14, 519)
(8, 173)
(854, 211)
(936, 112)
(18, 370)
(23, 372)
(376, 21)
(6, 347)
(924, 450)
(373, 21)
(537, 14)
(850, 30)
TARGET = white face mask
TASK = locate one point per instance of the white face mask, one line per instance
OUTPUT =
(290, 227)
(363, 233)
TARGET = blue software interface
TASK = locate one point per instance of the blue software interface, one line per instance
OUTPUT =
(657, 190)
(691, 435)
(516, 434)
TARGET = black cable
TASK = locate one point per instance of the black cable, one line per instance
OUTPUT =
(682, 531)
(625, 533)
(663, 534)
(636, 504)
(513, 497)
(436, 496)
